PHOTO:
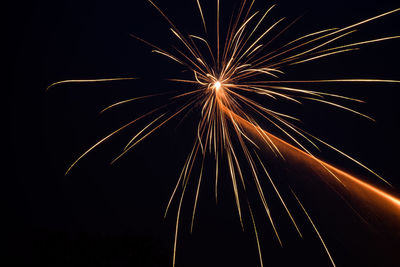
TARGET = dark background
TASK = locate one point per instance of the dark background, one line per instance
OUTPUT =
(113, 215)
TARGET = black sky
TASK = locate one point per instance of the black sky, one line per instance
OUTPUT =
(113, 215)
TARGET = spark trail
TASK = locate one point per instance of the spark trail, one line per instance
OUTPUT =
(230, 81)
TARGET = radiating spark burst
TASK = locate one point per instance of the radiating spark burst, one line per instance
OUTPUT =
(227, 78)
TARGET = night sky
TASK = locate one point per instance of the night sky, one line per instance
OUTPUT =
(102, 214)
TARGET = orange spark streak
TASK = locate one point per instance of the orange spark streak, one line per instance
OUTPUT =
(375, 197)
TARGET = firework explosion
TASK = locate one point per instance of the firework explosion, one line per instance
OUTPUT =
(228, 80)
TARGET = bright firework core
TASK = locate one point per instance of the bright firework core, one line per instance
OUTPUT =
(217, 85)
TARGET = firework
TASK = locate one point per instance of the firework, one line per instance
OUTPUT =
(228, 79)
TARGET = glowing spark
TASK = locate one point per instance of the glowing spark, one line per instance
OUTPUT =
(315, 228)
